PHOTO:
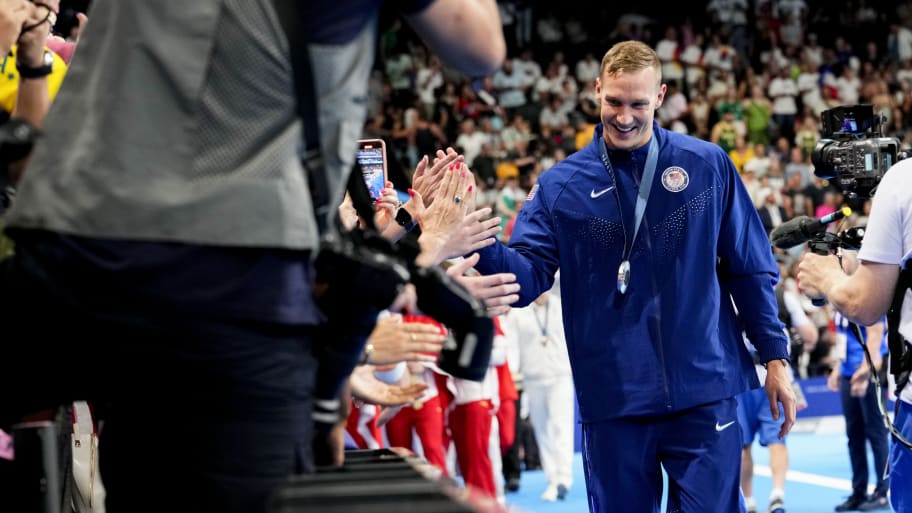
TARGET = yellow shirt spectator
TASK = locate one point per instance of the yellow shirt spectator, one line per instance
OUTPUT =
(741, 153)
(584, 136)
(507, 169)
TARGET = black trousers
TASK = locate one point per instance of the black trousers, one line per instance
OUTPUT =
(198, 414)
(511, 463)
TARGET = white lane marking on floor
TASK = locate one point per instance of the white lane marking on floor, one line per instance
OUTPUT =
(813, 479)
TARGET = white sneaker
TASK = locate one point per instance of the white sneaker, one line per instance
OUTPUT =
(550, 494)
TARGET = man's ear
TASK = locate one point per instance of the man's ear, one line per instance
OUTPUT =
(662, 89)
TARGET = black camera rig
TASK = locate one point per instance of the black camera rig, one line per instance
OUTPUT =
(852, 152)
(827, 243)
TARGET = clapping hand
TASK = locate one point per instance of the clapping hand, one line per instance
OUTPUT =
(427, 180)
(36, 30)
(13, 17)
(442, 218)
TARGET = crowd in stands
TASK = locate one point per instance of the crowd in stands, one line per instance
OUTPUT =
(753, 77)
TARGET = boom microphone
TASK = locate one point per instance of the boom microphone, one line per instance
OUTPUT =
(803, 228)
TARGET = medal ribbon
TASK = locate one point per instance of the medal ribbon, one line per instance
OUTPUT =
(645, 188)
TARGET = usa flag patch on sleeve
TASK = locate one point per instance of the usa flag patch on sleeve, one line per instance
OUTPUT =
(532, 192)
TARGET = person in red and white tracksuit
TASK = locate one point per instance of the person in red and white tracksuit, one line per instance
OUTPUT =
(472, 425)
(509, 403)
(424, 418)
(363, 423)
(361, 426)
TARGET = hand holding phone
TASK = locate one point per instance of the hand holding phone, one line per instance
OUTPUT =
(372, 159)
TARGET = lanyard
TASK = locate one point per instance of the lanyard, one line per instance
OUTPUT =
(542, 326)
(642, 197)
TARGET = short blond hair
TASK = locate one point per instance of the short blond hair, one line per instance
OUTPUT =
(630, 56)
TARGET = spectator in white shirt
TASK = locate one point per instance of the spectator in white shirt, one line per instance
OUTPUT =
(760, 163)
(668, 49)
(510, 85)
(587, 69)
(784, 90)
(527, 64)
(470, 140)
(552, 115)
(812, 51)
(674, 110)
(548, 84)
(427, 81)
(692, 59)
(848, 86)
(899, 42)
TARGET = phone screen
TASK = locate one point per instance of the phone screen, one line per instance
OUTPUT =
(372, 159)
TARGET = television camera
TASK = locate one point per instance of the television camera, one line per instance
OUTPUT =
(854, 155)
(852, 152)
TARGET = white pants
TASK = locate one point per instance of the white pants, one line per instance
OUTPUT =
(552, 415)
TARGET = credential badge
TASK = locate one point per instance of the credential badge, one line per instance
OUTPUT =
(675, 179)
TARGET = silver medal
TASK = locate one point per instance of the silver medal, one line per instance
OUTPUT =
(623, 276)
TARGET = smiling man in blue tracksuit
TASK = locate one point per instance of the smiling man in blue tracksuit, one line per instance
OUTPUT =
(648, 278)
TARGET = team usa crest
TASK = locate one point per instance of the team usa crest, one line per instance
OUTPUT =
(675, 179)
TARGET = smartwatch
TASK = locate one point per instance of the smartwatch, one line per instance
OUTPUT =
(405, 219)
(41, 71)
(783, 360)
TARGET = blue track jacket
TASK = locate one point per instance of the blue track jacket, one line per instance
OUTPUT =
(672, 341)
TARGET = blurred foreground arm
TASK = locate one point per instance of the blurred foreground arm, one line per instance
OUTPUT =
(33, 100)
(467, 34)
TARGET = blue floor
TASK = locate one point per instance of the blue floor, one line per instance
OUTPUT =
(818, 480)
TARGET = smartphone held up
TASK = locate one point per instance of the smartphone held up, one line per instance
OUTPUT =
(372, 161)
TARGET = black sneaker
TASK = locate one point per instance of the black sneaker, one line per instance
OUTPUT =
(851, 504)
(512, 485)
(777, 506)
(561, 491)
(875, 503)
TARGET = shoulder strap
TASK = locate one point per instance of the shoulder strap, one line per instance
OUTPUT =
(289, 16)
(900, 357)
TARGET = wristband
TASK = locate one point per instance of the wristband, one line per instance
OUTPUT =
(36, 71)
(783, 360)
(405, 220)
